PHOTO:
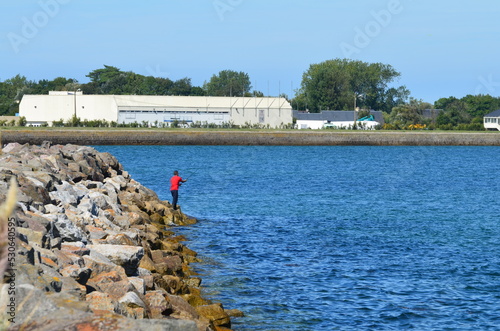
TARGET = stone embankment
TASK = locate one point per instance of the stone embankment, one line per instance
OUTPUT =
(240, 137)
(95, 248)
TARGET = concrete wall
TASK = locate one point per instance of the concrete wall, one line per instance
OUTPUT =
(272, 112)
(43, 108)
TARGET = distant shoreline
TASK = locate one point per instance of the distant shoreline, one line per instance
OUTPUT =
(249, 137)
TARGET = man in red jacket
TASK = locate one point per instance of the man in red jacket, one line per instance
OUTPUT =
(175, 182)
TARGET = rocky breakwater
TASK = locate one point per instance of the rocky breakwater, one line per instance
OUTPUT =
(95, 249)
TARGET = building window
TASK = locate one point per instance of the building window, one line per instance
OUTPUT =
(261, 116)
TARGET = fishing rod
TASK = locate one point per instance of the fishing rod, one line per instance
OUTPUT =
(189, 175)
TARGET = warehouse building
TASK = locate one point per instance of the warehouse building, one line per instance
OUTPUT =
(155, 110)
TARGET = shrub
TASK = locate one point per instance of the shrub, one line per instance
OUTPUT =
(22, 121)
(59, 123)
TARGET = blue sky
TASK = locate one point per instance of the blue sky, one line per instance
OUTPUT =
(441, 48)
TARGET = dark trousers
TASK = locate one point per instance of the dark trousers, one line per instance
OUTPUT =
(175, 197)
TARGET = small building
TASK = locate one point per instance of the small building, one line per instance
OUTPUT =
(156, 110)
(491, 121)
(338, 119)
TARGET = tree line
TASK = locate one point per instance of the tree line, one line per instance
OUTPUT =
(338, 84)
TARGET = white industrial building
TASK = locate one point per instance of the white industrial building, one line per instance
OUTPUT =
(125, 109)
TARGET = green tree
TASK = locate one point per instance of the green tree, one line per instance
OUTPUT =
(257, 94)
(104, 75)
(340, 83)
(480, 105)
(299, 102)
(443, 103)
(467, 110)
(11, 93)
(409, 113)
(181, 87)
(455, 113)
(197, 91)
(228, 83)
(396, 96)
(6, 99)
(327, 86)
(111, 80)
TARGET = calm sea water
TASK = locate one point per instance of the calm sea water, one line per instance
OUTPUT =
(339, 238)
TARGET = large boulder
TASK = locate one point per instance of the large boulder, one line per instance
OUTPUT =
(127, 257)
(216, 314)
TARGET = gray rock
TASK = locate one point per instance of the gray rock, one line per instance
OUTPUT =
(100, 200)
(111, 191)
(119, 182)
(37, 208)
(56, 162)
(62, 197)
(68, 231)
(33, 237)
(12, 147)
(88, 205)
(139, 284)
(52, 209)
(132, 300)
(25, 253)
(106, 160)
(90, 184)
(143, 272)
(22, 205)
(122, 221)
(67, 194)
(106, 224)
(128, 257)
(35, 181)
(34, 303)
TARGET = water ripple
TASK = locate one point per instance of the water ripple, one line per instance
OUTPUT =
(340, 238)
